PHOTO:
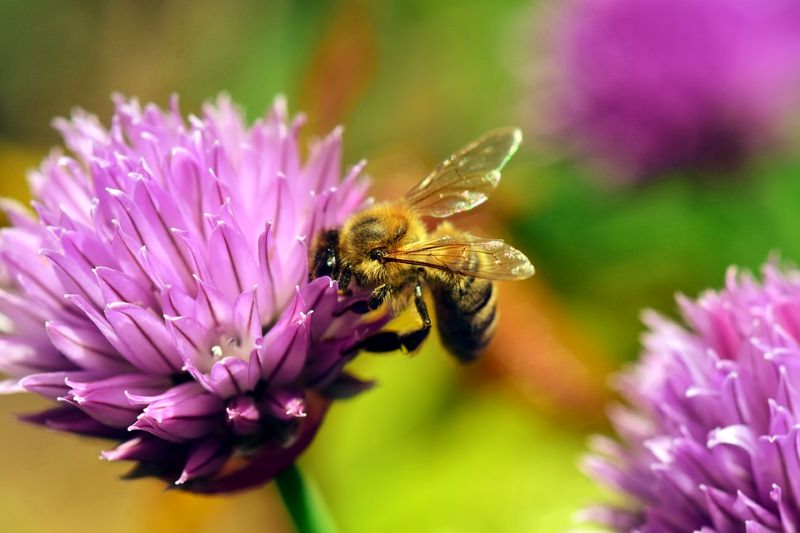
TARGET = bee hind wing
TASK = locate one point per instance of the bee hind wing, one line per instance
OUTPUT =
(465, 179)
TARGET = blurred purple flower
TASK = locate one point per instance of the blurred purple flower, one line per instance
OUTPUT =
(162, 293)
(711, 433)
(650, 86)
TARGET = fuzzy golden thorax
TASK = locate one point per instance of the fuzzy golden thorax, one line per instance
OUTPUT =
(381, 228)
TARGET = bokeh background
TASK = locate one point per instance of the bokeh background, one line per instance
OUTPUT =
(437, 447)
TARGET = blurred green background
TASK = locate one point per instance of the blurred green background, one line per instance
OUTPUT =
(436, 447)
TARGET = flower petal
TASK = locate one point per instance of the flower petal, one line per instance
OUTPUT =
(106, 400)
(183, 413)
(227, 378)
(244, 417)
(72, 420)
(116, 286)
(205, 458)
(85, 346)
(149, 344)
(231, 264)
(284, 351)
(270, 460)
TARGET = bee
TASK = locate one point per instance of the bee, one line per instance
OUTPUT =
(387, 250)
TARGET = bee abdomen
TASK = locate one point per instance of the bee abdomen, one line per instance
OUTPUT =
(466, 316)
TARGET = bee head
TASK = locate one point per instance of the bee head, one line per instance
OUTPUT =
(377, 254)
(370, 235)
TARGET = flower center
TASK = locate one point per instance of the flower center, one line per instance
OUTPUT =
(231, 347)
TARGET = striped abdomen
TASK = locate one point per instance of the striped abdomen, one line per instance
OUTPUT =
(466, 315)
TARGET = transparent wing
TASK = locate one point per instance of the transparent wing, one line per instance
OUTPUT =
(466, 178)
(466, 255)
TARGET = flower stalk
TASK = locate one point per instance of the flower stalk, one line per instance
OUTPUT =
(303, 502)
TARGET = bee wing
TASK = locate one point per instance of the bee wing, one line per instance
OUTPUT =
(466, 178)
(466, 255)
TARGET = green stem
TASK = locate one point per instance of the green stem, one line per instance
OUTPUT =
(304, 503)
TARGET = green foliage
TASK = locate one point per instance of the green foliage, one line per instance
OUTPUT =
(611, 252)
(420, 448)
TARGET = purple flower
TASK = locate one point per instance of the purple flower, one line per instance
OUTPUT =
(161, 293)
(649, 86)
(711, 431)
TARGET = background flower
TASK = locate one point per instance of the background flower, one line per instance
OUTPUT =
(710, 436)
(650, 86)
(161, 293)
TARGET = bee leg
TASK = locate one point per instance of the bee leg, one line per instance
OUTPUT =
(362, 307)
(390, 341)
(413, 339)
(358, 307)
(380, 294)
(344, 278)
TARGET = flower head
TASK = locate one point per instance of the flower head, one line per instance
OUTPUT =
(711, 433)
(161, 292)
(648, 86)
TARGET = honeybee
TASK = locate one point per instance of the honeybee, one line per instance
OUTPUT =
(387, 249)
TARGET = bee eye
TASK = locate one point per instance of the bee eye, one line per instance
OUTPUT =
(377, 254)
